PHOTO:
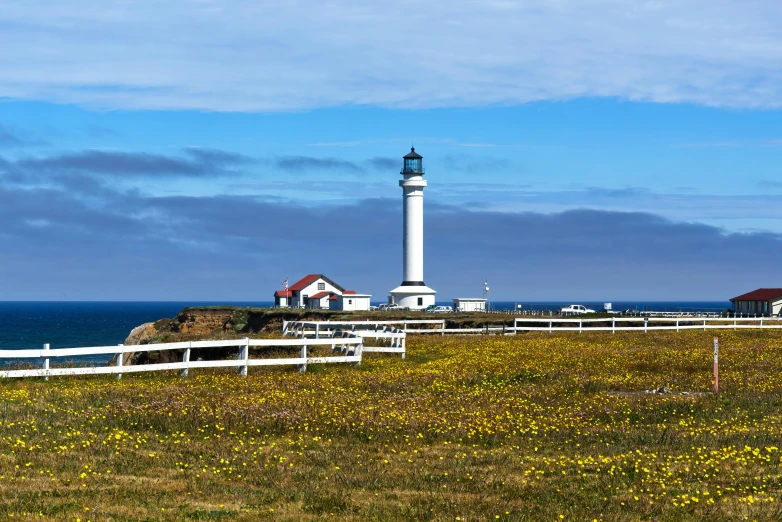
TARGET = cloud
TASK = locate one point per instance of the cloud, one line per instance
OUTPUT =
(132, 246)
(15, 138)
(197, 162)
(379, 163)
(306, 163)
(263, 56)
(7, 138)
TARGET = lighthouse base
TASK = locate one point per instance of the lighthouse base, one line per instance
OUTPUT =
(412, 297)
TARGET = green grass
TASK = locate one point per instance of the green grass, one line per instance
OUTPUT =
(531, 427)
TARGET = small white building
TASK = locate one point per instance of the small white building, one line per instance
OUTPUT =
(282, 298)
(469, 304)
(763, 301)
(349, 300)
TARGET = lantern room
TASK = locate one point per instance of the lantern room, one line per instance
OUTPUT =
(413, 163)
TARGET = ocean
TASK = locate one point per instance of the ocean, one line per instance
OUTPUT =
(72, 324)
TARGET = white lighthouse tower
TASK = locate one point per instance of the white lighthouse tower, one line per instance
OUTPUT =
(413, 293)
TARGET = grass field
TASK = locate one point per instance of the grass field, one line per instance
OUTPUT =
(531, 427)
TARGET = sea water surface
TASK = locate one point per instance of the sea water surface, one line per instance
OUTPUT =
(31, 324)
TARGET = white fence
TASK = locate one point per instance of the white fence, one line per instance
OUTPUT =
(318, 329)
(616, 324)
(395, 338)
(350, 345)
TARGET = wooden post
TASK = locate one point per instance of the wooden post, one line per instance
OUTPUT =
(46, 363)
(716, 364)
(244, 355)
(442, 327)
(704, 325)
(646, 324)
(677, 325)
(613, 325)
(579, 325)
(550, 324)
(303, 366)
(120, 357)
(185, 359)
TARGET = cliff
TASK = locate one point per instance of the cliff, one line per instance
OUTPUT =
(229, 322)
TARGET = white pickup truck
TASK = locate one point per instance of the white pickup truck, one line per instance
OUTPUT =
(575, 310)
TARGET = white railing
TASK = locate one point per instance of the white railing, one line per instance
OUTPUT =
(643, 324)
(395, 337)
(350, 345)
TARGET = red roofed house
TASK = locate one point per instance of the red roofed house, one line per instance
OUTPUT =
(763, 301)
(317, 291)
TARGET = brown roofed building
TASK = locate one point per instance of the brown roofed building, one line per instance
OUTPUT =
(763, 301)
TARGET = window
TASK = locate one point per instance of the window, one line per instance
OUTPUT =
(321, 286)
(350, 301)
(420, 301)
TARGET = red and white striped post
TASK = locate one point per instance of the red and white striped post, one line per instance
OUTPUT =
(716, 364)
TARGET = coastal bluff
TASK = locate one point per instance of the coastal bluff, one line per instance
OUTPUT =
(232, 322)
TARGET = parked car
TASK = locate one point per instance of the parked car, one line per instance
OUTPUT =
(440, 309)
(575, 310)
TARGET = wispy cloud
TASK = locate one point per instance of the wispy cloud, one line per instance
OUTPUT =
(307, 163)
(451, 54)
(195, 162)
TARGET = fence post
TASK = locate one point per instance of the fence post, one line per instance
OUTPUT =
(734, 322)
(716, 364)
(579, 325)
(550, 325)
(185, 359)
(404, 346)
(704, 325)
(677, 325)
(442, 327)
(303, 366)
(317, 330)
(359, 350)
(284, 327)
(120, 357)
(46, 363)
(613, 325)
(244, 355)
(646, 324)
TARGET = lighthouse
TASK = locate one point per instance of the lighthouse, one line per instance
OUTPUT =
(413, 292)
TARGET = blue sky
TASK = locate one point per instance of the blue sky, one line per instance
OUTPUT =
(600, 150)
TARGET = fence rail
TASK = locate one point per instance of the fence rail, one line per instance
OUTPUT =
(395, 338)
(350, 345)
(646, 324)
